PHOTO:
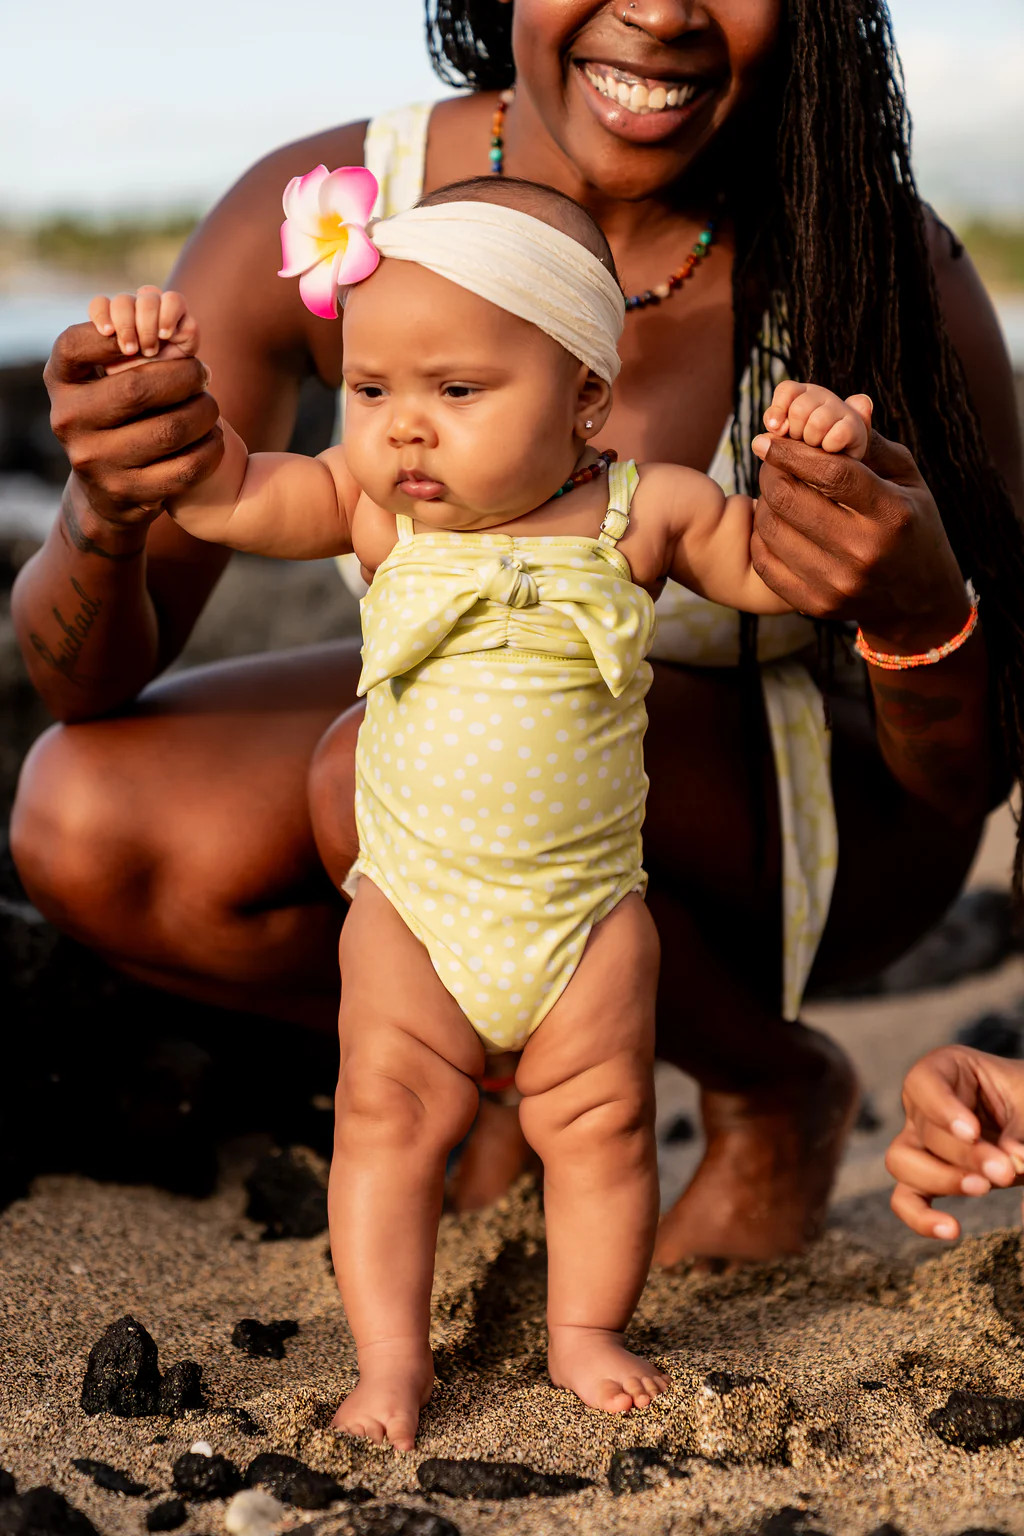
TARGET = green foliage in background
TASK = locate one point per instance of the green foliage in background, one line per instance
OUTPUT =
(997, 251)
(72, 241)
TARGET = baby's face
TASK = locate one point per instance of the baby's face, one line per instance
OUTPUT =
(457, 412)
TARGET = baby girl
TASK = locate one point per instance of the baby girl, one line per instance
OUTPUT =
(500, 792)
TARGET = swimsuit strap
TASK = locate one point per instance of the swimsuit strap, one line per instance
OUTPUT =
(622, 482)
(404, 524)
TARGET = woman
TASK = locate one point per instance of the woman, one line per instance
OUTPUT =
(128, 822)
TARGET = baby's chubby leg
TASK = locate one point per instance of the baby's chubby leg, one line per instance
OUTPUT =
(405, 1097)
(586, 1077)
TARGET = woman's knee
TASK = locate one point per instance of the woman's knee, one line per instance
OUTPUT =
(332, 795)
(70, 826)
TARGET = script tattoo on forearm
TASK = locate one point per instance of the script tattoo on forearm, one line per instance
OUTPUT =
(76, 631)
(82, 541)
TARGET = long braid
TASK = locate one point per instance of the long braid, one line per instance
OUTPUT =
(833, 249)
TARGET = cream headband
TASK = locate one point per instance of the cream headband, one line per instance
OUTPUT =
(509, 258)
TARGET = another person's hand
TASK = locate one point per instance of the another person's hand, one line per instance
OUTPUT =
(811, 414)
(134, 436)
(964, 1133)
(841, 539)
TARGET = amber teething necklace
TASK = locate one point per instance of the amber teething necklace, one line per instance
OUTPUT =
(660, 291)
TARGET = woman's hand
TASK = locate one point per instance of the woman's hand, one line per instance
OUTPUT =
(963, 1134)
(133, 435)
(845, 540)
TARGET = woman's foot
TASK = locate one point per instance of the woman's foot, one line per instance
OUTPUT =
(395, 1380)
(763, 1185)
(592, 1363)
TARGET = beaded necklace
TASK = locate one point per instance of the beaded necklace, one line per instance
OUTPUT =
(660, 291)
(588, 472)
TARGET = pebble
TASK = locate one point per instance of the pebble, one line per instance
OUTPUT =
(205, 1477)
(106, 1476)
(263, 1340)
(122, 1376)
(201, 1448)
(253, 1513)
(287, 1196)
(293, 1482)
(473, 1479)
(167, 1516)
(43, 1512)
(972, 1420)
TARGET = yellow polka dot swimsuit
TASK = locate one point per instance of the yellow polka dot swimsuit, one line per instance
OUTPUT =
(500, 783)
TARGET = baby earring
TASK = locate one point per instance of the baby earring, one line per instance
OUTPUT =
(588, 425)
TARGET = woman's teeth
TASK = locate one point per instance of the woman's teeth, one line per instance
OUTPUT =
(630, 92)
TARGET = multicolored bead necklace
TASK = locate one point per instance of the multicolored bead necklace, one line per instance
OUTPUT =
(589, 472)
(660, 291)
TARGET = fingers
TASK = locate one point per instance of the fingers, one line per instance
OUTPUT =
(140, 322)
(928, 1173)
(914, 1210)
(117, 400)
(929, 1093)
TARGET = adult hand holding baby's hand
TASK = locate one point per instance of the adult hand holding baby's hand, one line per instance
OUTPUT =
(841, 539)
(133, 435)
(964, 1133)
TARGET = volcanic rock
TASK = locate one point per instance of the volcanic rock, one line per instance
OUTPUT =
(181, 1389)
(638, 1467)
(396, 1520)
(43, 1512)
(205, 1477)
(263, 1340)
(106, 1476)
(288, 1196)
(122, 1376)
(7, 1487)
(972, 1420)
(293, 1482)
(167, 1516)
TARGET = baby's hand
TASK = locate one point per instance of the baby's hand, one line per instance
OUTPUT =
(148, 325)
(813, 415)
(964, 1133)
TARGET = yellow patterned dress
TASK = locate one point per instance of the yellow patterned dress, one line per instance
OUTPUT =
(693, 632)
(500, 783)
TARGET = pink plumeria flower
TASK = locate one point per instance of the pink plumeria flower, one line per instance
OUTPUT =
(323, 238)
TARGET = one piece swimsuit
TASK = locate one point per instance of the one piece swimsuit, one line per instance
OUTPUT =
(500, 783)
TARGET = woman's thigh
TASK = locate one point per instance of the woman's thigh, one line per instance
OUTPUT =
(176, 836)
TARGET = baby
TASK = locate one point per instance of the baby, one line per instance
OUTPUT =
(500, 791)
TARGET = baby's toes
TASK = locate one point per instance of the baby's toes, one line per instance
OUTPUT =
(654, 1386)
(401, 1431)
(637, 1391)
(613, 1397)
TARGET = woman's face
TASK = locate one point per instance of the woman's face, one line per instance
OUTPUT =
(631, 93)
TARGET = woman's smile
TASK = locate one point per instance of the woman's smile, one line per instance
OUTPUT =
(643, 108)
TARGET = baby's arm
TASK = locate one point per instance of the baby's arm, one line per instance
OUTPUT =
(710, 532)
(280, 504)
(964, 1132)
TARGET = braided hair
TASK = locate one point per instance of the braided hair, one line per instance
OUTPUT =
(834, 250)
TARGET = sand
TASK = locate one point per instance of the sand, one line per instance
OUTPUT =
(835, 1361)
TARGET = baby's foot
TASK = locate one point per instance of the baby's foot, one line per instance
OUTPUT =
(592, 1363)
(395, 1380)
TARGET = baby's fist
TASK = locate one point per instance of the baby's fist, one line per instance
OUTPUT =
(811, 414)
(147, 325)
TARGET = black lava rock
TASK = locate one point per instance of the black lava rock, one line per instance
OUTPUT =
(868, 1118)
(679, 1131)
(167, 1516)
(291, 1481)
(871, 1386)
(473, 1479)
(205, 1477)
(106, 1476)
(1000, 1034)
(122, 1376)
(629, 1471)
(263, 1340)
(287, 1196)
(888, 1529)
(7, 1487)
(243, 1420)
(43, 1512)
(181, 1389)
(395, 1520)
(972, 1420)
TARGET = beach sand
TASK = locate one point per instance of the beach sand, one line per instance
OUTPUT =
(801, 1390)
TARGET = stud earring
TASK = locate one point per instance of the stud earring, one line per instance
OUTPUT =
(588, 425)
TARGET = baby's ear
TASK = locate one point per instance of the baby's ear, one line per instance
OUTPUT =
(593, 404)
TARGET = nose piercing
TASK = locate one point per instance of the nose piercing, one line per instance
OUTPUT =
(632, 7)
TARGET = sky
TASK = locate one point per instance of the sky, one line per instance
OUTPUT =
(117, 105)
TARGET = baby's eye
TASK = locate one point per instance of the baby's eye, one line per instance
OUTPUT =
(459, 391)
(369, 391)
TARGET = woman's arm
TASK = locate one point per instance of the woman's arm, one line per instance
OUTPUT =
(889, 565)
(113, 594)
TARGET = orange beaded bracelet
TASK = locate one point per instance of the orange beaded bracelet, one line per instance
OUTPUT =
(895, 663)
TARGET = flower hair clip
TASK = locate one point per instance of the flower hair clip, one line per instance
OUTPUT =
(323, 238)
